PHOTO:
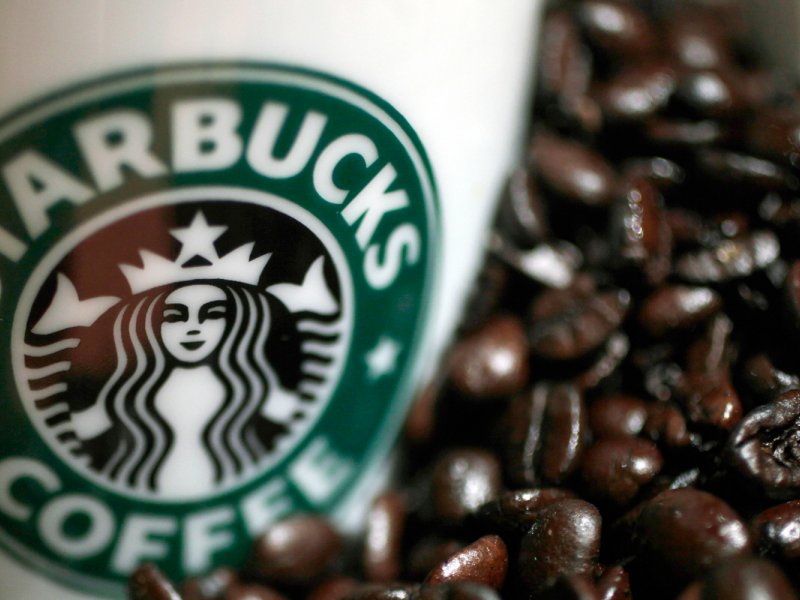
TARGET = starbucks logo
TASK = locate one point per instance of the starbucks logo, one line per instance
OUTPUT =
(190, 357)
(214, 282)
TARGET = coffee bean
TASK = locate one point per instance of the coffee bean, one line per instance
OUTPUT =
(253, 592)
(148, 583)
(572, 170)
(713, 353)
(573, 587)
(792, 294)
(776, 531)
(520, 217)
(608, 360)
(682, 534)
(641, 236)
(492, 361)
(737, 169)
(677, 307)
(460, 590)
(384, 591)
(617, 27)
(335, 588)
(615, 469)
(775, 133)
(764, 447)
(544, 434)
(638, 91)
(614, 584)
(666, 425)
(710, 93)
(698, 40)
(383, 538)
(428, 553)
(484, 561)
(565, 63)
(515, 510)
(213, 586)
(680, 133)
(296, 550)
(729, 259)
(569, 323)
(712, 400)
(662, 172)
(617, 415)
(766, 380)
(563, 541)
(747, 579)
(463, 480)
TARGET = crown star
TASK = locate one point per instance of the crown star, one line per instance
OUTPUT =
(197, 240)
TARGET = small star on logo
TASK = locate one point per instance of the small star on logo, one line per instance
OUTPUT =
(198, 238)
(382, 359)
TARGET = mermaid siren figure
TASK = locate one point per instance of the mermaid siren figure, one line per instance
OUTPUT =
(191, 401)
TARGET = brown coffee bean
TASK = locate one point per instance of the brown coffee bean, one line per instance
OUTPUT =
(485, 561)
(713, 353)
(492, 361)
(569, 323)
(148, 583)
(747, 579)
(383, 537)
(712, 400)
(617, 415)
(729, 259)
(638, 91)
(213, 586)
(296, 550)
(520, 217)
(766, 380)
(619, 28)
(764, 448)
(545, 432)
(673, 307)
(573, 587)
(666, 425)
(614, 584)
(428, 553)
(572, 170)
(463, 480)
(563, 541)
(711, 93)
(776, 531)
(515, 510)
(607, 361)
(460, 590)
(698, 40)
(615, 469)
(384, 591)
(791, 289)
(737, 169)
(682, 534)
(252, 591)
(335, 588)
(683, 133)
(775, 132)
(640, 235)
(662, 172)
(565, 63)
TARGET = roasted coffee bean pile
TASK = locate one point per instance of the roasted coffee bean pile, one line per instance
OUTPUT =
(620, 416)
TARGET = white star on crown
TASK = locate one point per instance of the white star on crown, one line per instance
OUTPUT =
(198, 240)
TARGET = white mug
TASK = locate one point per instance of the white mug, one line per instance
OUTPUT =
(234, 236)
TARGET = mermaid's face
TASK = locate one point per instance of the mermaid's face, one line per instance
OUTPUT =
(194, 322)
